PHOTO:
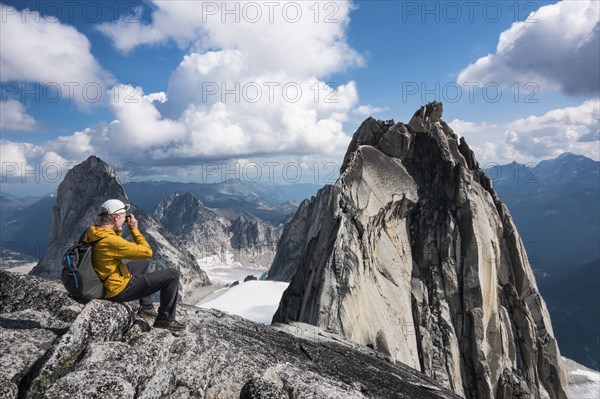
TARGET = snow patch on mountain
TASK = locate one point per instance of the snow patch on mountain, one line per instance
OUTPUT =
(253, 300)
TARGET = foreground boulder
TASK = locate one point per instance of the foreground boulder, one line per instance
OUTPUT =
(411, 252)
(53, 347)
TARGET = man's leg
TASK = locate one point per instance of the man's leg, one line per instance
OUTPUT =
(166, 281)
(139, 268)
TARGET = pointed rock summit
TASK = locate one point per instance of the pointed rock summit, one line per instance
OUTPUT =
(79, 198)
(207, 232)
(412, 253)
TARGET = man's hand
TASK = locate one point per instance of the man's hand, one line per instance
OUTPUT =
(132, 222)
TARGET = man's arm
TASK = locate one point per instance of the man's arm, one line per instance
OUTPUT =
(140, 249)
(123, 249)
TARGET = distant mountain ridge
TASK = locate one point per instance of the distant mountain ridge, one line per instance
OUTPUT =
(25, 220)
(567, 185)
(556, 207)
(213, 231)
(267, 201)
(18, 232)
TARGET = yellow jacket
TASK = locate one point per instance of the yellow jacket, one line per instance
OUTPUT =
(108, 253)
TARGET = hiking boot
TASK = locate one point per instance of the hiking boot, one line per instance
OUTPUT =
(171, 325)
(148, 312)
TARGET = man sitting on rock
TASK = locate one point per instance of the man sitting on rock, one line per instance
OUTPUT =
(124, 283)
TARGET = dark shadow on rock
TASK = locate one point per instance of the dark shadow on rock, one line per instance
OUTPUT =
(12, 324)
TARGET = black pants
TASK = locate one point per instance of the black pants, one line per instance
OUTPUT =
(143, 284)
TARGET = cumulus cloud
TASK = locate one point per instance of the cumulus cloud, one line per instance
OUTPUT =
(220, 130)
(252, 83)
(190, 141)
(75, 147)
(557, 47)
(45, 164)
(570, 129)
(17, 158)
(247, 90)
(464, 127)
(31, 169)
(13, 152)
(368, 110)
(229, 108)
(50, 53)
(300, 38)
(139, 125)
(14, 117)
(159, 97)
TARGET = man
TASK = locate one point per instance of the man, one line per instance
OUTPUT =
(124, 283)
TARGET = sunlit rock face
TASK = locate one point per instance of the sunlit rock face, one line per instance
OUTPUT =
(411, 252)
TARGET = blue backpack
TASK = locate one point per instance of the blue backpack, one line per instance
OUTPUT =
(78, 274)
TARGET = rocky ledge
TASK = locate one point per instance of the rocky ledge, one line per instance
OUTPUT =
(54, 347)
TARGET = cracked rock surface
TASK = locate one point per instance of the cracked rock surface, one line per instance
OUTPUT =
(412, 253)
(53, 347)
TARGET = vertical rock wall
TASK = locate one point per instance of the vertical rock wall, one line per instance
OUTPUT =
(412, 253)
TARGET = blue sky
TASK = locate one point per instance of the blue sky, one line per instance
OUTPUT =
(175, 86)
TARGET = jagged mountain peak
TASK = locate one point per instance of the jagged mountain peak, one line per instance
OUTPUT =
(80, 195)
(427, 114)
(181, 212)
(216, 231)
(412, 253)
(96, 163)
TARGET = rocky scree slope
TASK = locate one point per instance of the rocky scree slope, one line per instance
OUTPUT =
(411, 252)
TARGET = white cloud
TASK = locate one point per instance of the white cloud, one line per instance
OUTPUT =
(159, 97)
(139, 125)
(221, 130)
(313, 44)
(18, 158)
(179, 23)
(12, 152)
(558, 47)
(570, 129)
(232, 109)
(191, 140)
(32, 169)
(368, 110)
(277, 70)
(36, 49)
(14, 117)
(56, 160)
(75, 147)
(463, 127)
(246, 88)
